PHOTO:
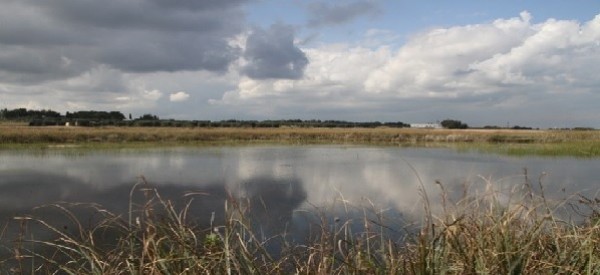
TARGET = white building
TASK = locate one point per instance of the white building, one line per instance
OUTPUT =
(426, 125)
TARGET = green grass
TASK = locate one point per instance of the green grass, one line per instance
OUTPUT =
(482, 231)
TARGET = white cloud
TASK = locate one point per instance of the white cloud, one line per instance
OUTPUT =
(334, 70)
(438, 63)
(474, 67)
(152, 95)
(179, 97)
(513, 69)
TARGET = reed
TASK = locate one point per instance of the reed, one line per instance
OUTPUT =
(519, 232)
(492, 231)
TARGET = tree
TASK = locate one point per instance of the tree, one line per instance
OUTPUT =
(149, 117)
(116, 115)
(454, 124)
(97, 115)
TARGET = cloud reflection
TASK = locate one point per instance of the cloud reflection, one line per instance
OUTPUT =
(280, 186)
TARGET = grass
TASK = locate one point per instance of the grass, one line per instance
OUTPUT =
(520, 233)
(481, 231)
(513, 142)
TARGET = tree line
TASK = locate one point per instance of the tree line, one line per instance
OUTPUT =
(116, 118)
(24, 114)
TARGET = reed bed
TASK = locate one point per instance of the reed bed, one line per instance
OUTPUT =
(481, 231)
(515, 142)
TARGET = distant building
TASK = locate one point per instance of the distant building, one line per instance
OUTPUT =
(426, 125)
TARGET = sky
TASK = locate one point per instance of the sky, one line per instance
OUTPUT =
(513, 62)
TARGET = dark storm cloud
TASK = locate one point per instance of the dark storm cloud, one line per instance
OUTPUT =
(32, 65)
(325, 13)
(145, 14)
(147, 52)
(272, 54)
(57, 39)
(197, 5)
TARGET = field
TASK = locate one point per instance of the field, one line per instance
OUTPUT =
(515, 142)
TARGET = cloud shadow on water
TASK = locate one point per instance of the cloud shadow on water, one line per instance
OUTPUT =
(268, 203)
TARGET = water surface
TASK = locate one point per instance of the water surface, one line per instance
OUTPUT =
(281, 183)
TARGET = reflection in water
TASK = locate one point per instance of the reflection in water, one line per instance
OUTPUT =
(268, 203)
(284, 186)
(389, 177)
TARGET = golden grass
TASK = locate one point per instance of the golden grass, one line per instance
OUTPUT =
(541, 142)
(477, 233)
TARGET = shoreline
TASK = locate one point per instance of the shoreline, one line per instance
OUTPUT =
(503, 141)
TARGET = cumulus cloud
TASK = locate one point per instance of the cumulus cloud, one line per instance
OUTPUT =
(179, 96)
(332, 83)
(326, 13)
(502, 57)
(508, 65)
(272, 53)
(439, 63)
(113, 54)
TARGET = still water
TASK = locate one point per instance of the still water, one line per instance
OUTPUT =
(285, 182)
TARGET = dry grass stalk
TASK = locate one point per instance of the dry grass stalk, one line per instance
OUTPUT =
(489, 231)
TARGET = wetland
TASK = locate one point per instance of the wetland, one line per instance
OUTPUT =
(281, 190)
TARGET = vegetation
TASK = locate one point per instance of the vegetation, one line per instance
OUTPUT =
(515, 142)
(454, 124)
(96, 115)
(149, 130)
(23, 114)
(115, 118)
(519, 231)
(515, 231)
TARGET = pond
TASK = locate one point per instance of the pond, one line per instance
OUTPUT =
(285, 186)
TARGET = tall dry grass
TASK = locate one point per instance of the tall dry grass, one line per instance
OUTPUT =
(519, 232)
(487, 231)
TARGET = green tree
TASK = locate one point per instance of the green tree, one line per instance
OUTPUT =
(454, 124)
(149, 117)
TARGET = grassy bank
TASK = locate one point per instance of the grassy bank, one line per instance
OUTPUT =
(516, 142)
(518, 232)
